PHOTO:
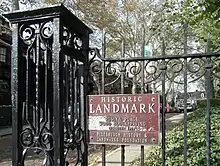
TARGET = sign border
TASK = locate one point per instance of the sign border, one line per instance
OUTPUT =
(158, 132)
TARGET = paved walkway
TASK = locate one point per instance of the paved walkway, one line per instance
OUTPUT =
(177, 118)
(114, 158)
(133, 152)
(5, 131)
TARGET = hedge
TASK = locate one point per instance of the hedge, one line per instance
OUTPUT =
(203, 103)
(196, 142)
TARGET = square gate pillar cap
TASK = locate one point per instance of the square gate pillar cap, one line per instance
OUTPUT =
(54, 11)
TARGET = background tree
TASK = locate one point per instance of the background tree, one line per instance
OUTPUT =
(161, 19)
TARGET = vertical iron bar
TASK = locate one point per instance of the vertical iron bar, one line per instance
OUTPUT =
(82, 110)
(142, 83)
(16, 98)
(27, 96)
(103, 62)
(122, 92)
(85, 92)
(103, 88)
(103, 155)
(142, 55)
(185, 95)
(122, 155)
(66, 92)
(46, 102)
(76, 115)
(142, 155)
(37, 60)
(78, 93)
(50, 99)
(58, 94)
(122, 66)
(163, 107)
(72, 92)
(208, 111)
(45, 86)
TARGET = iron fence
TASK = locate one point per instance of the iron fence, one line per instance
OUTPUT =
(182, 70)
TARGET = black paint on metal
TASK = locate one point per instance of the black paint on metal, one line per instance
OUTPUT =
(185, 94)
(49, 85)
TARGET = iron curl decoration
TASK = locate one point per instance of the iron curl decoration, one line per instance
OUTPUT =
(71, 39)
(78, 135)
(66, 37)
(134, 68)
(30, 140)
(196, 69)
(216, 67)
(77, 41)
(95, 62)
(27, 138)
(131, 70)
(147, 71)
(96, 67)
(92, 55)
(113, 69)
(27, 33)
(110, 69)
(151, 71)
(174, 69)
(45, 140)
(47, 30)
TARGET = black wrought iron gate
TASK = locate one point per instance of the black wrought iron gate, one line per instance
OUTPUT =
(49, 78)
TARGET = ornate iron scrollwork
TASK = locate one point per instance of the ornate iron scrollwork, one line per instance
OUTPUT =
(150, 70)
(216, 67)
(48, 86)
(73, 132)
(37, 135)
(71, 39)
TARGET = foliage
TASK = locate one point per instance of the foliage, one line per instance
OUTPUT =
(120, 19)
(5, 5)
(202, 18)
(10, 5)
(164, 18)
(203, 103)
(196, 142)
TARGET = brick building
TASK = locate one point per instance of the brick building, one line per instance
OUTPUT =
(5, 72)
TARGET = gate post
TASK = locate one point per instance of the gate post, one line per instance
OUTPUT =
(49, 110)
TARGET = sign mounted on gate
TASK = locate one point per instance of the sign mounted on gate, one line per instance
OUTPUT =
(124, 119)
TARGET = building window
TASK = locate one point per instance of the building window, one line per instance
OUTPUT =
(3, 53)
